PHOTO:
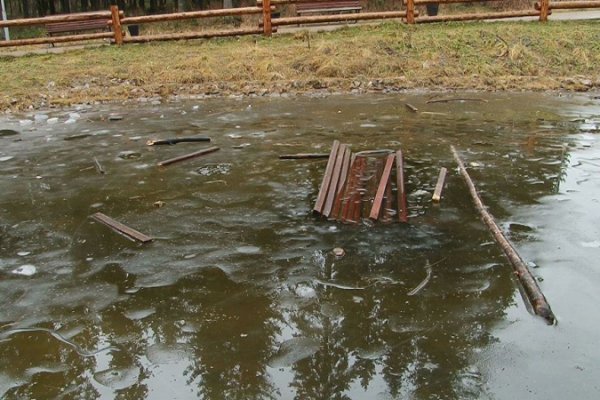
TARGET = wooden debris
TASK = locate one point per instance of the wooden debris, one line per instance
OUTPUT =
(187, 156)
(303, 156)
(156, 142)
(456, 99)
(402, 208)
(439, 186)
(531, 289)
(411, 107)
(335, 178)
(120, 228)
(424, 282)
(98, 166)
(383, 183)
(321, 197)
(337, 204)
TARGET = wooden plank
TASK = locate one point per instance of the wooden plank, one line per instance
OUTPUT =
(385, 180)
(411, 107)
(354, 179)
(387, 204)
(439, 186)
(335, 178)
(337, 205)
(318, 208)
(126, 231)
(350, 182)
(402, 208)
(303, 156)
(187, 156)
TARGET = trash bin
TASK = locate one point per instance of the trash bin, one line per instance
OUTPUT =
(134, 30)
(432, 9)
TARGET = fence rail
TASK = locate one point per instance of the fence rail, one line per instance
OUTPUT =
(115, 20)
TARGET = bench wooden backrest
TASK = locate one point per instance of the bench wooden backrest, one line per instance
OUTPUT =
(72, 26)
(328, 5)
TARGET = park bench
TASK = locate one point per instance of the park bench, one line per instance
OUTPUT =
(96, 24)
(339, 7)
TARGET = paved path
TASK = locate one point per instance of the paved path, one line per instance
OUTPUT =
(557, 15)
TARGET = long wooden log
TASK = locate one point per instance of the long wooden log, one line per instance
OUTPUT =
(321, 197)
(57, 39)
(402, 208)
(126, 231)
(191, 15)
(337, 18)
(567, 5)
(439, 186)
(383, 183)
(191, 35)
(187, 156)
(422, 2)
(482, 16)
(57, 18)
(532, 290)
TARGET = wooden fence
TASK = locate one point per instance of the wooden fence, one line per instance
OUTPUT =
(115, 20)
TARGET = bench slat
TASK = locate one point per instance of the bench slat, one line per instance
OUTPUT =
(74, 26)
(329, 6)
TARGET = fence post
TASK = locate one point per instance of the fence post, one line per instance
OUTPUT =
(267, 29)
(410, 11)
(116, 24)
(544, 7)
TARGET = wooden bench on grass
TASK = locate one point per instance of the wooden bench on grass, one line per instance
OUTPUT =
(96, 24)
(329, 7)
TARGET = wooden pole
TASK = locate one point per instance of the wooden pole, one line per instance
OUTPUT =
(191, 35)
(57, 39)
(532, 290)
(266, 11)
(410, 11)
(116, 24)
(316, 19)
(187, 156)
(57, 18)
(478, 17)
(144, 19)
(544, 7)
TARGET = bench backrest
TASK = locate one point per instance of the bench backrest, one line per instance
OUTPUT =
(324, 5)
(72, 26)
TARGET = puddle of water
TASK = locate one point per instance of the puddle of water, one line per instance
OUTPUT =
(240, 296)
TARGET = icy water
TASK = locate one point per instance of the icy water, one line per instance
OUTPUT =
(239, 295)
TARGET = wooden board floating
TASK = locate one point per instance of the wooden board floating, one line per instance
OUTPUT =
(156, 142)
(303, 156)
(360, 185)
(439, 186)
(321, 197)
(124, 230)
(187, 156)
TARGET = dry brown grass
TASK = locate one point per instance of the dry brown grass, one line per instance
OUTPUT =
(483, 56)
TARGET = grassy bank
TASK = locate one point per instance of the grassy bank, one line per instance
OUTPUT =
(390, 56)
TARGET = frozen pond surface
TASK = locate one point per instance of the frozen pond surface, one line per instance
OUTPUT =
(239, 296)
